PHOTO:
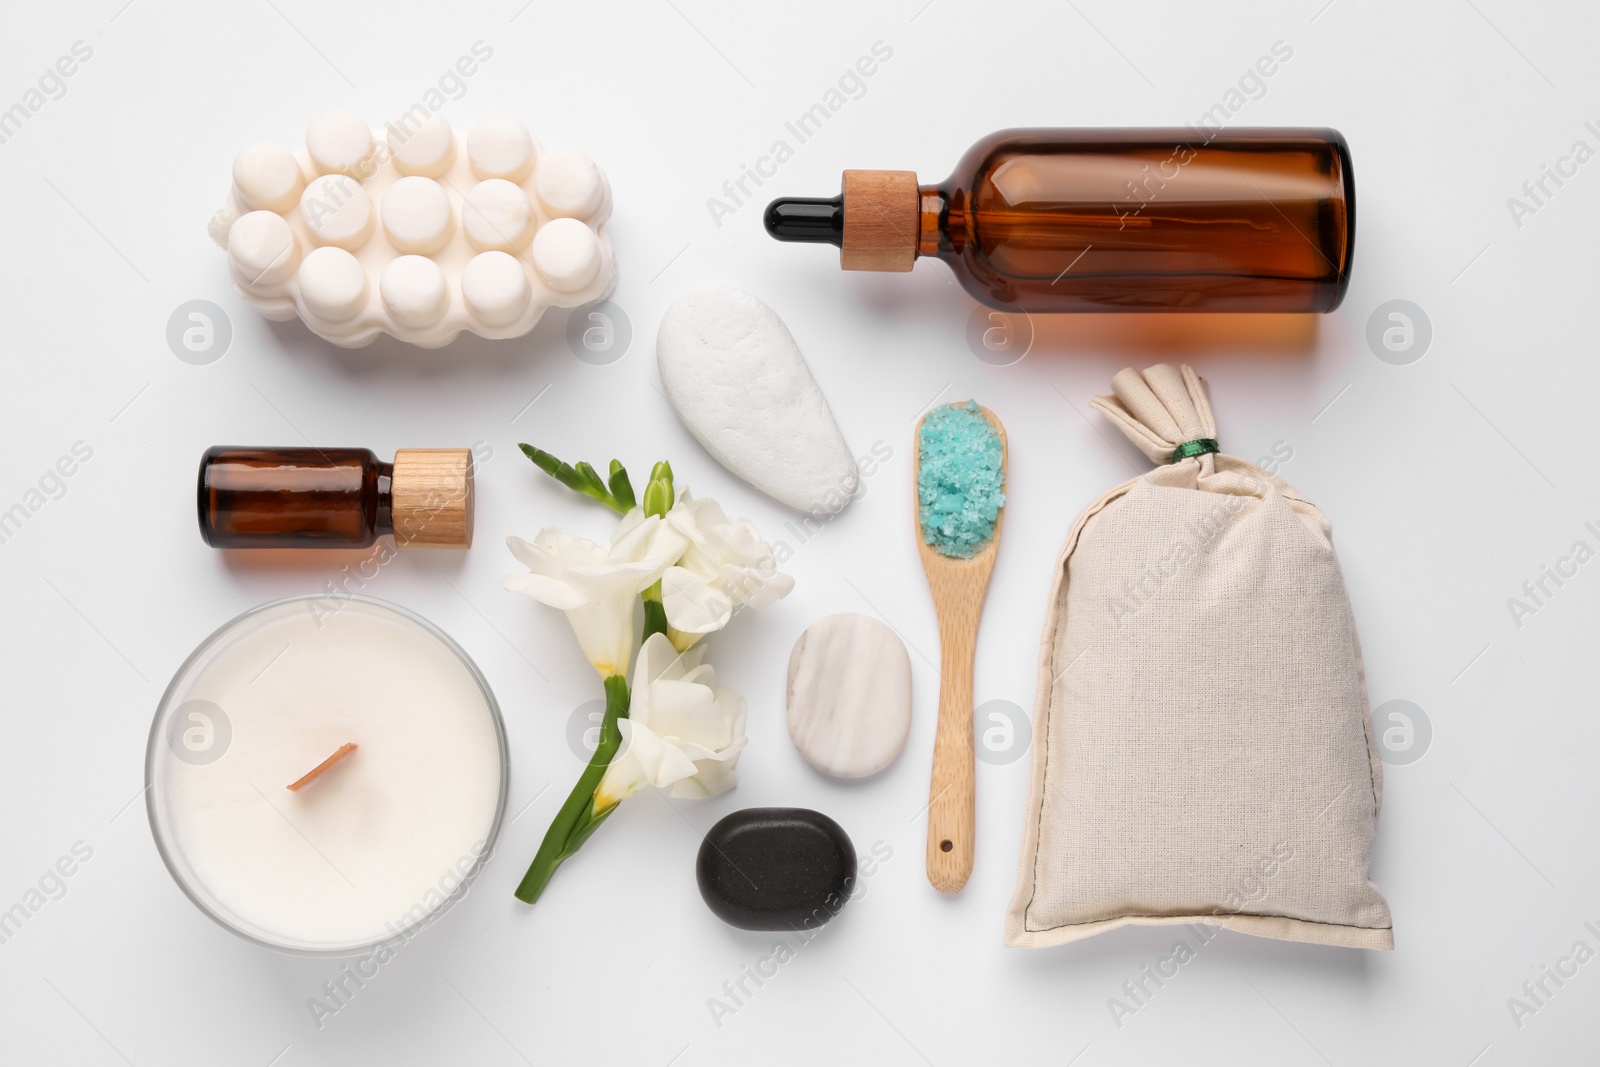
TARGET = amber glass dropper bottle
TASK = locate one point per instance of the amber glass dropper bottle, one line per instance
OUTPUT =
(335, 497)
(1110, 220)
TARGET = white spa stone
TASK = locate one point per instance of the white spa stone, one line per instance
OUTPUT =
(414, 291)
(741, 386)
(501, 148)
(849, 695)
(337, 211)
(569, 184)
(427, 151)
(495, 288)
(262, 250)
(268, 177)
(566, 253)
(496, 214)
(417, 217)
(341, 143)
(427, 189)
(333, 284)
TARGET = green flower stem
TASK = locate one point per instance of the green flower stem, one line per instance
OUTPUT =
(586, 826)
(615, 493)
(576, 820)
(655, 613)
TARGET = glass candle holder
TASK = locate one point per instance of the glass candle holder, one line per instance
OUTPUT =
(326, 774)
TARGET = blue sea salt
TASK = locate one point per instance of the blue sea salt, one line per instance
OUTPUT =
(962, 472)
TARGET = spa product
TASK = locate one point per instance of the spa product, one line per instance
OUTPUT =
(776, 869)
(334, 497)
(741, 386)
(849, 695)
(379, 842)
(1202, 751)
(419, 231)
(959, 482)
(1110, 220)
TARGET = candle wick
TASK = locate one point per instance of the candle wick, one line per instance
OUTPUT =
(310, 776)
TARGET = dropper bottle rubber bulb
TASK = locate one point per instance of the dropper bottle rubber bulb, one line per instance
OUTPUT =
(807, 220)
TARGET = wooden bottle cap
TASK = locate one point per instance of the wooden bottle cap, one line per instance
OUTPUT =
(881, 215)
(432, 498)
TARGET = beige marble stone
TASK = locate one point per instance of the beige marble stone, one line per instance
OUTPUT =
(849, 695)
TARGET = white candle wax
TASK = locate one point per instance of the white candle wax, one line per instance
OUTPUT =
(380, 840)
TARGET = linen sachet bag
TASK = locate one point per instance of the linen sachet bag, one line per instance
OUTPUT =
(1202, 746)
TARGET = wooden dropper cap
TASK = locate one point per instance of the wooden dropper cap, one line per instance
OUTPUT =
(874, 221)
(880, 220)
(431, 489)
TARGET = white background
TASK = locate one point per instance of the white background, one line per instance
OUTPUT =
(1449, 481)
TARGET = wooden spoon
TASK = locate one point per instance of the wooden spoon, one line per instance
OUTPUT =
(958, 587)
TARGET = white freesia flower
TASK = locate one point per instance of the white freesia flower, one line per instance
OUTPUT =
(725, 564)
(683, 732)
(597, 585)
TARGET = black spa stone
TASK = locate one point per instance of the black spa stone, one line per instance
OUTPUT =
(776, 869)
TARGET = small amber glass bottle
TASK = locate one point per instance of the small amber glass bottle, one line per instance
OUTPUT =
(1111, 220)
(335, 497)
